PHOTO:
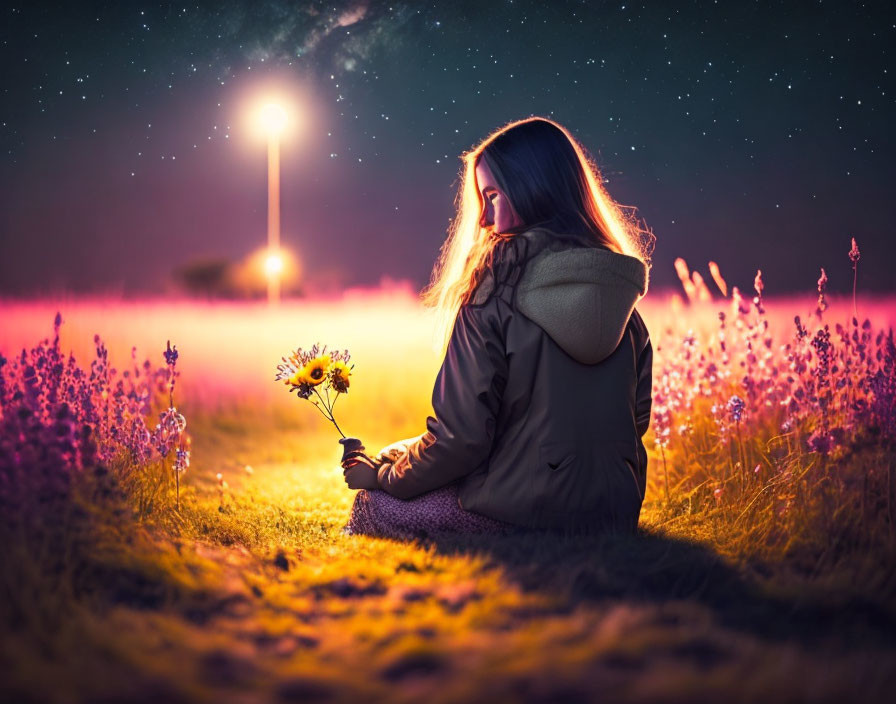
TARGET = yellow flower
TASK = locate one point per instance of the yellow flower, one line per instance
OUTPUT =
(339, 375)
(315, 371)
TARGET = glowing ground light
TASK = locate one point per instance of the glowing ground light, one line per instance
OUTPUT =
(273, 264)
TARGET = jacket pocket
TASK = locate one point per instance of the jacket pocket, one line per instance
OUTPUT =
(555, 478)
(555, 456)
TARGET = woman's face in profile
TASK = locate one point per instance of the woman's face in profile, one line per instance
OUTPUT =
(498, 214)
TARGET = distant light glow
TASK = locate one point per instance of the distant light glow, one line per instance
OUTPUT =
(273, 119)
(273, 264)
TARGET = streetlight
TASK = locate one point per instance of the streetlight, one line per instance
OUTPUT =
(273, 119)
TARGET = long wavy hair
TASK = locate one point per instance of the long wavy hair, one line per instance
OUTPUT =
(551, 182)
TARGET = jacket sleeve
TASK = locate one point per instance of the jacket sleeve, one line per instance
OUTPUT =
(465, 402)
(644, 390)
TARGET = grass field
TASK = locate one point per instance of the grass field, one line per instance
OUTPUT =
(774, 582)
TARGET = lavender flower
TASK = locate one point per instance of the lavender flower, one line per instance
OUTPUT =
(168, 430)
(662, 425)
(170, 354)
(822, 344)
(59, 421)
(822, 441)
(736, 408)
(181, 460)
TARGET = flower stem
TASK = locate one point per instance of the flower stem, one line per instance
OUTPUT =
(322, 411)
(317, 393)
(333, 405)
(329, 414)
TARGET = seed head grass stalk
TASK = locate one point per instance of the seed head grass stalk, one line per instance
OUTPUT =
(854, 255)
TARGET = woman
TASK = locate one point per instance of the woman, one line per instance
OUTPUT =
(545, 389)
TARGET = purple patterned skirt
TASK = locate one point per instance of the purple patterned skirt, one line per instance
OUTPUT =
(380, 514)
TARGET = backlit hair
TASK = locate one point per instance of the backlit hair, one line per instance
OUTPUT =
(551, 182)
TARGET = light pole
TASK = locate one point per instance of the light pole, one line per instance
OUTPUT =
(273, 120)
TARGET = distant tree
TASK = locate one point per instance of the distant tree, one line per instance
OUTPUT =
(216, 277)
(211, 278)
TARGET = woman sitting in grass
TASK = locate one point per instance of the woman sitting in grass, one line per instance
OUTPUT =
(545, 390)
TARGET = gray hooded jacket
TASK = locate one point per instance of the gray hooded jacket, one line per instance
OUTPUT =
(544, 393)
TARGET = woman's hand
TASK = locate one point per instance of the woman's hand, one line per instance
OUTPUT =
(360, 473)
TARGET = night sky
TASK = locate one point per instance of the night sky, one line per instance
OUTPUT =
(755, 134)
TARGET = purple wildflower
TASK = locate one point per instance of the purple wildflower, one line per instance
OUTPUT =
(823, 441)
(168, 430)
(181, 460)
(736, 408)
(170, 354)
(59, 421)
(822, 344)
(662, 425)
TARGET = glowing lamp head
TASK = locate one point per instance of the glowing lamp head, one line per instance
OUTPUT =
(273, 264)
(273, 119)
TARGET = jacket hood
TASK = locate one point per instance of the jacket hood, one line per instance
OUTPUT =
(582, 298)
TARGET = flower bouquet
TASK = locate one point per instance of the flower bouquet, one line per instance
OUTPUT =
(319, 376)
